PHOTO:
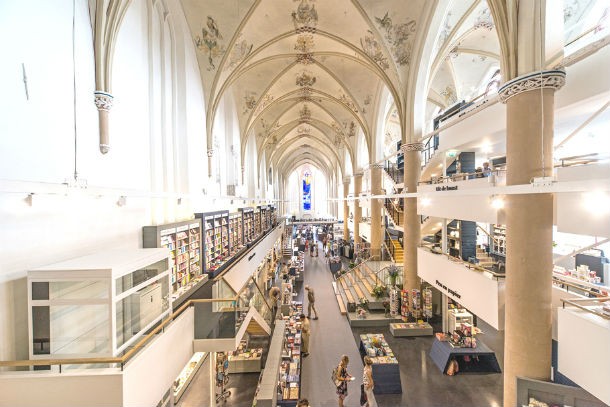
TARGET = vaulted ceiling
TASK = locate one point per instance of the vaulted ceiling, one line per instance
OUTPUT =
(304, 72)
(309, 76)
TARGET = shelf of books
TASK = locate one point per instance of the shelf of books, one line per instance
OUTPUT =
(183, 239)
(265, 218)
(215, 240)
(289, 381)
(404, 305)
(235, 233)
(257, 222)
(247, 215)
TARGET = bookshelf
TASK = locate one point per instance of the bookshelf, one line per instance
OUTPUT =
(236, 237)
(183, 239)
(257, 222)
(215, 240)
(247, 224)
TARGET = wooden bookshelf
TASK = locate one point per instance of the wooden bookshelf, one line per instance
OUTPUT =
(247, 224)
(215, 240)
(462, 239)
(183, 239)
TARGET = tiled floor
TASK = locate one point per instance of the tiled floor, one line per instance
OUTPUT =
(423, 384)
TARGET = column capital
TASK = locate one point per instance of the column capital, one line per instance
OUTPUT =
(103, 100)
(376, 166)
(551, 79)
(347, 180)
(412, 147)
(358, 174)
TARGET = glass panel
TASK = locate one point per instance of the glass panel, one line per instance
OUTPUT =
(135, 312)
(40, 330)
(215, 321)
(139, 276)
(79, 329)
(77, 290)
(40, 290)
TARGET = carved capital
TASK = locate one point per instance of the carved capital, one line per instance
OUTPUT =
(346, 180)
(378, 166)
(553, 79)
(103, 100)
(358, 174)
(412, 147)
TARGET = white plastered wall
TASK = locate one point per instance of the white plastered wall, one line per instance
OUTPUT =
(155, 76)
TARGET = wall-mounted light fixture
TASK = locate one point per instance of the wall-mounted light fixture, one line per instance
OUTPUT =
(29, 200)
(179, 201)
(497, 202)
(122, 201)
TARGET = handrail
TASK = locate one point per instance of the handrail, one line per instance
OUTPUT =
(112, 360)
(575, 285)
(490, 236)
(574, 302)
(465, 175)
(467, 264)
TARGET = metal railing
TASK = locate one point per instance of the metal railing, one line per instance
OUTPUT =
(595, 309)
(395, 212)
(394, 172)
(468, 265)
(464, 176)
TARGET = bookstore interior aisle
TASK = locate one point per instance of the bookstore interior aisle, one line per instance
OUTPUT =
(330, 338)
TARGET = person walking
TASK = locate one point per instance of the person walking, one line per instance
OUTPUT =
(343, 377)
(305, 332)
(274, 297)
(367, 381)
(311, 298)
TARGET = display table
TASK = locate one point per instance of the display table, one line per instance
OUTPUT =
(386, 372)
(242, 365)
(442, 352)
(411, 329)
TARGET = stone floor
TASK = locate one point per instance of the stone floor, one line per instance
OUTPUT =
(422, 382)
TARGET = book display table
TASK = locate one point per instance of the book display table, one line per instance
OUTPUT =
(411, 329)
(386, 372)
(482, 359)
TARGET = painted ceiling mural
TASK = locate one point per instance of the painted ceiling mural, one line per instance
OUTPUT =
(313, 71)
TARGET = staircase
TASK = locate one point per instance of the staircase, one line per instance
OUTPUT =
(394, 212)
(483, 259)
(354, 286)
(397, 251)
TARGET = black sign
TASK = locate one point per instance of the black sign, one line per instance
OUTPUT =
(448, 290)
(251, 256)
(446, 188)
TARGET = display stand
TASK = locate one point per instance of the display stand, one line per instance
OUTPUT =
(222, 378)
(244, 360)
(411, 329)
(289, 382)
(442, 352)
(187, 374)
(266, 395)
(457, 317)
(386, 372)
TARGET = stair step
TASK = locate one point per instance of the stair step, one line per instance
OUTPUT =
(342, 307)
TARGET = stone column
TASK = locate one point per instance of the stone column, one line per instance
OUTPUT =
(529, 228)
(376, 226)
(412, 225)
(345, 208)
(357, 208)
(103, 102)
